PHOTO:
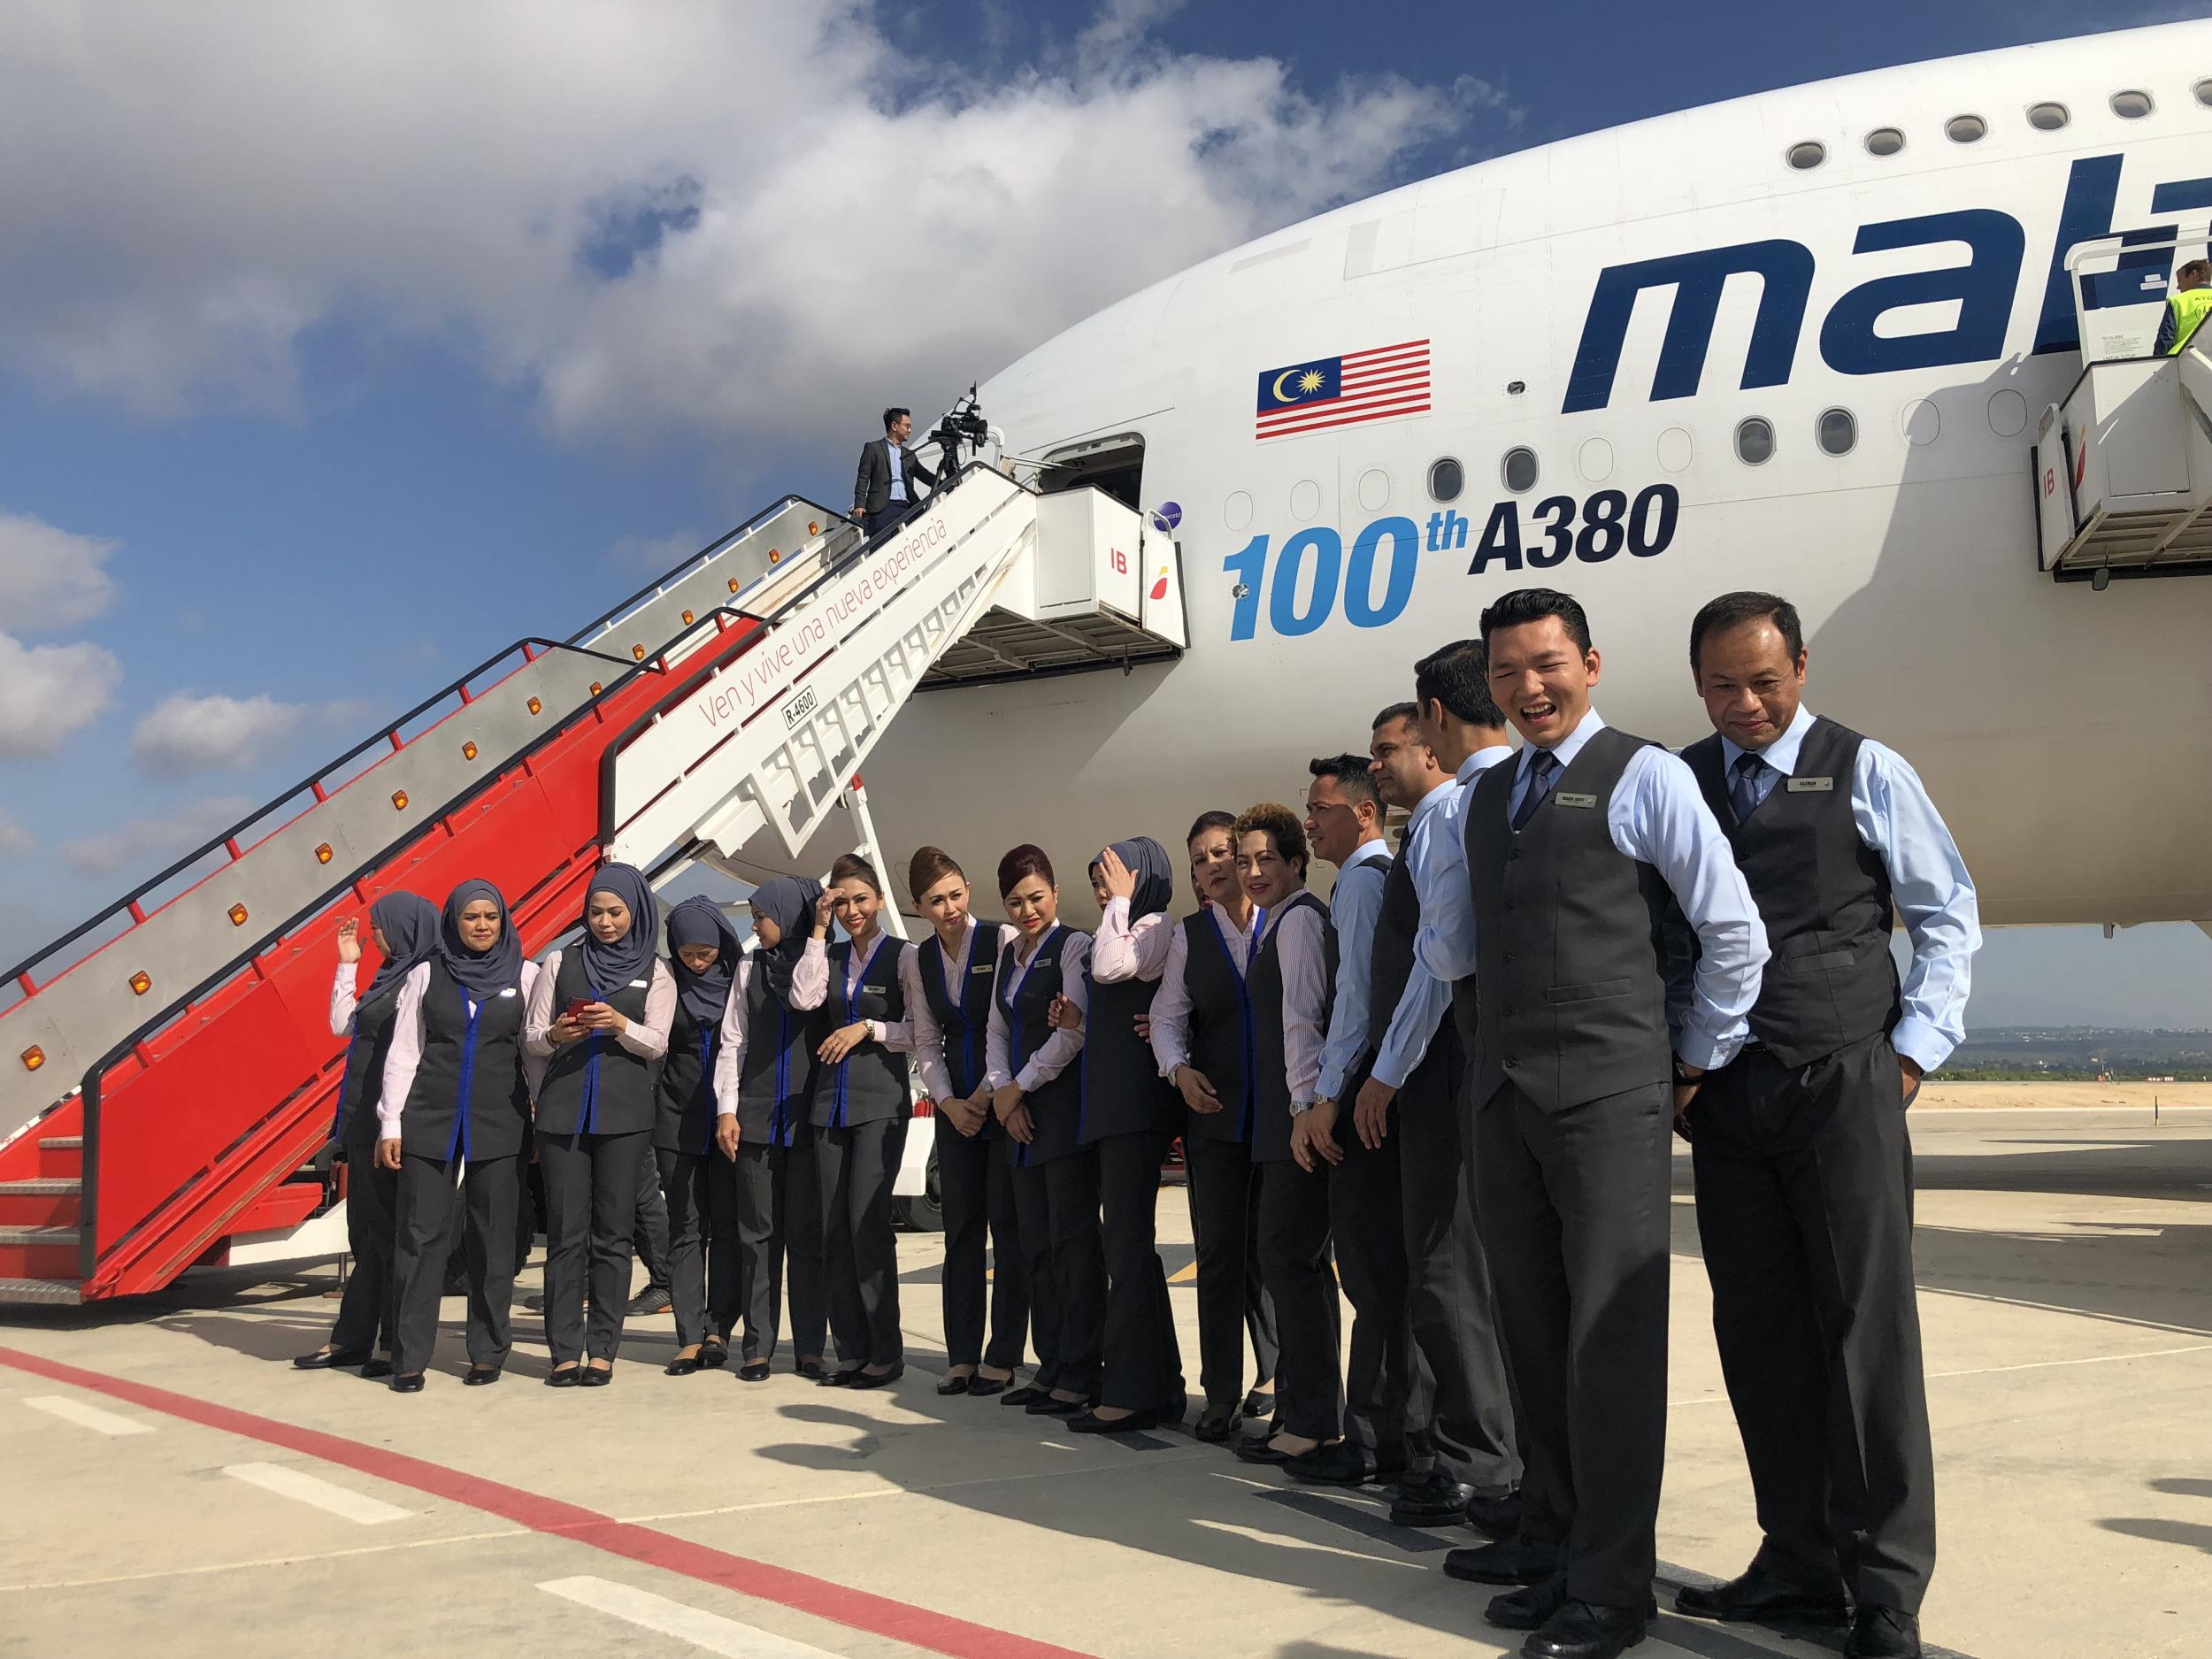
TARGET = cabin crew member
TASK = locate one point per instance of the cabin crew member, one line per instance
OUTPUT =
(1572, 852)
(764, 1093)
(404, 928)
(1129, 1118)
(862, 1103)
(600, 1016)
(1366, 1214)
(1804, 1167)
(1430, 751)
(1038, 1098)
(885, 491)
(2185, 309)
(454, 1112)
(949, 979)
(698, 1176)
(1202, 1029)
(1291, 985)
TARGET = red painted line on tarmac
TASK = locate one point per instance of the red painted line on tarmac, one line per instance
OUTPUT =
(860, 1610)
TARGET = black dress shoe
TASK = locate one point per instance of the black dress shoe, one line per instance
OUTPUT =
(1258, 1448)
(652, 1299)
(1529, 1607)
(1024, 1397)
(1341, 1463)
(753, 1370)
(955, 1385)
(1135, 1423)
(595, 1377)
(563, 1375)
(840, 1379)
(1499, 1516)
(331, 1359)
(982, 1387)
(1760, 1596)
(481, 1376)
(1259, 1405)
(713, 1354)
(1587, 1629)
(377, 1368)
(878, 1378)
(535, 1304)
(681, 1366)
(1432, 1500)
(407, 1385)
(1881, 1632)
(1507, 1560)
(1045, 1406)
(809, 1370)
(1217, 1423)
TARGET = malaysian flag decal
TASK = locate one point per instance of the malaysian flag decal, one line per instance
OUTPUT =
(1377, 385)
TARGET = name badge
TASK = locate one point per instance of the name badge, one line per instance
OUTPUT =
(638, 984)
(981, 967)
(510, 991)
(1564, 798)
(1812, 786)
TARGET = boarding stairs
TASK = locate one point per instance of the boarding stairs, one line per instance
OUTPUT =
(167, 1075)
(2123, 463)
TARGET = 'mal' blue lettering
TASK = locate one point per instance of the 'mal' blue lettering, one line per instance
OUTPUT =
(1785, 270)
(1982, 287)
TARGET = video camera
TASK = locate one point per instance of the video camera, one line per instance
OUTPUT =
(964, 423)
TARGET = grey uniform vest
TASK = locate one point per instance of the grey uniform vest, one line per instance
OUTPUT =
(469, 1100)
(870, 1083)
(1124, 1093)
(598, 1087)
(1270, 1075)
(1056, 1108)
(962, 1013)
(1570, 953)
(1221, 1035)
(775, 1086)
(356, 1127)
(1823, 892)
(1397, 920)
(684, 1114)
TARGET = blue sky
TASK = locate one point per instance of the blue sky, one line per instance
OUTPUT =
(365, 351)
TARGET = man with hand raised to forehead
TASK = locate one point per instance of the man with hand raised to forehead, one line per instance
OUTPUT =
(1804, 1165)
(1573, 853)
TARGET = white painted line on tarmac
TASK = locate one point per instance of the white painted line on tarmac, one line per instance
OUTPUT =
(86, 1416)
(324, 1494)
(715, 1634)
(2093, 1359)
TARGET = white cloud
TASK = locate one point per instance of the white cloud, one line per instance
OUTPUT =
(186, 733)
(144, 843)
(715, 220)
(14, 839)
(51, 579)
(49, 693)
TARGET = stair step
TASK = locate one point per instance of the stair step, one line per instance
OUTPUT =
(44, 1185)
(60, 1157)
(56, 1143)
(46, 1201)
(40, 1235)
(67, 1293)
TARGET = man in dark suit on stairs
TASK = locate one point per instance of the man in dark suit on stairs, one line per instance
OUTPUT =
(884, 492)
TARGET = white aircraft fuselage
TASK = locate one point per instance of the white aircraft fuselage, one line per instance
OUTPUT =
(1616, 304)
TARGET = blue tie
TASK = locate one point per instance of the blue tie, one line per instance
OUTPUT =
(1539, 777)
(1743, 797)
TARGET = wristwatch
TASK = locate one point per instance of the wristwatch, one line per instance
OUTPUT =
(1687, 1074)
(1300, 1107)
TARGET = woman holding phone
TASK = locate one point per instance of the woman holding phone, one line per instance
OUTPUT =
(403, 926)
(454, 1121)
(698, 1177)
(1038, 1097)
(764, 1092)
(862, 1102)
(601, 1010)
(949, 979)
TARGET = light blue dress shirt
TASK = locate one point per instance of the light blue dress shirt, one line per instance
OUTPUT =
(1436, 857)
(1352, 907)
(1657, 816)
(898, 470)
(1935, 896)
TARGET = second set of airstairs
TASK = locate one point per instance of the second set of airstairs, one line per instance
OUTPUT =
(167, 1075)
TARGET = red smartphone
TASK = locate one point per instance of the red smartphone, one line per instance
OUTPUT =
(575, 1009)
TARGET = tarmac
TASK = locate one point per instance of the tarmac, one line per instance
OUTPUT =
(172, 1486)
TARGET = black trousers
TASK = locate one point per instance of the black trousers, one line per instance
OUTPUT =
(1061, 1202)
(975, 1180)
(591, 1187)
(1463, 1401)
(1224, 1187)
(1805, 1207)
(365, 1310)
(1367, 1220)
(649, 1236)
(779, 1229)
(1573, 1208)
(1032, 1230)
(487, 1192)
(1294, 1261)
(699, 1190)
(860, 1250)
(1143, 1364)
(879, 522)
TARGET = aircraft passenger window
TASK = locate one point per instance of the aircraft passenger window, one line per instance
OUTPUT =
(1884, 140)
(2203, 89)
(1838, 432)
(1807, 156)
(1754, 440)
(2047, 117)
(1519, 470)
(1965, 129)
(2130, 106)
(1446, 478)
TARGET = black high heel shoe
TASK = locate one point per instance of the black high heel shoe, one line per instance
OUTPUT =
(330, 1359)
(955, 1385)
(753, 1370)
(407, 1385)
(563, 1375)
(596, 1376)
(712, 1355)
(683, 1365)
(481, 1376)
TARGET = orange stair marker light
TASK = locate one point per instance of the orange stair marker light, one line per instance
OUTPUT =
(142, 982)
(33, 1057)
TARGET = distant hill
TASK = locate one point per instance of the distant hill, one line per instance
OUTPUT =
(2015, 1053)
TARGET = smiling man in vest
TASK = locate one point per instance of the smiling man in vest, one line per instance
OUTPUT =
(1804, 1166)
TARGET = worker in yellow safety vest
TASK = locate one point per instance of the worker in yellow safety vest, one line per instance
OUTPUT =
(2186, 307)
